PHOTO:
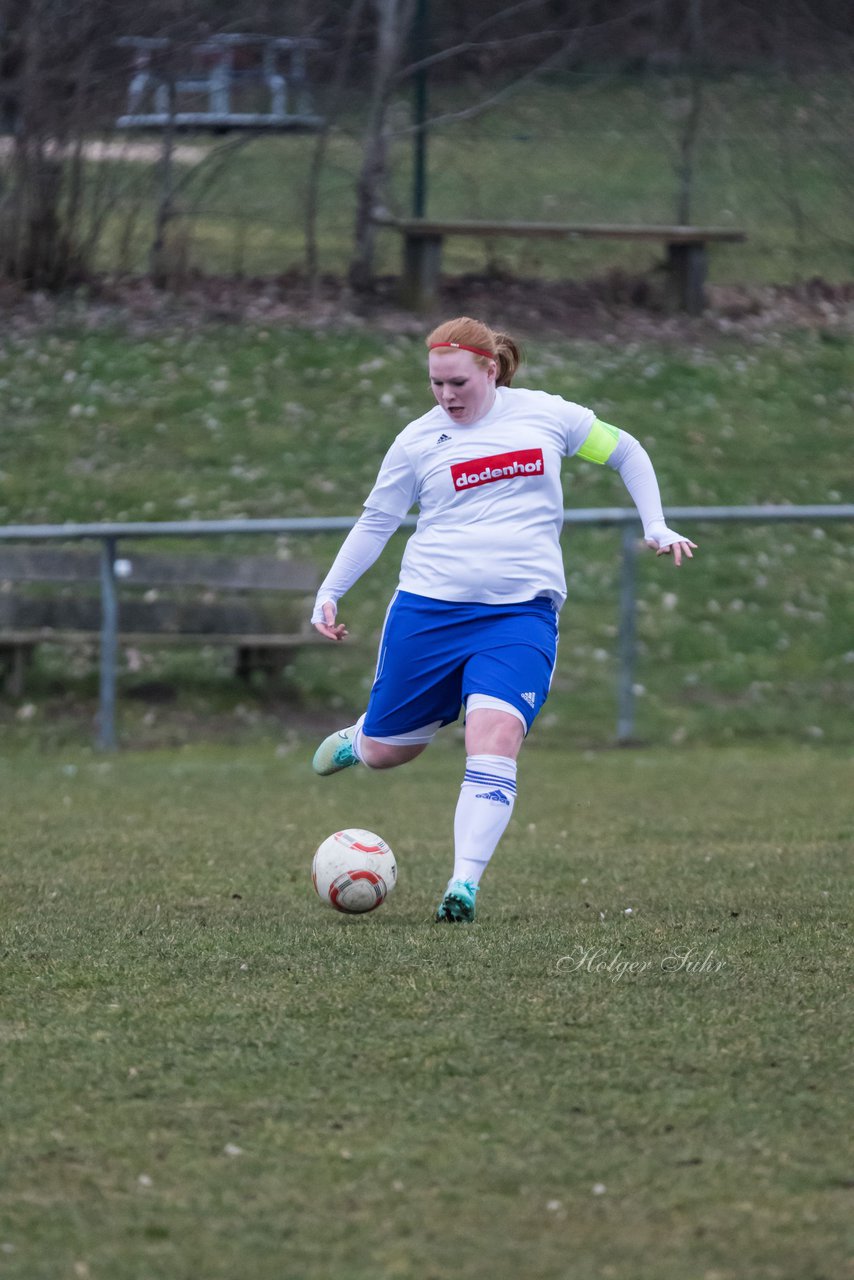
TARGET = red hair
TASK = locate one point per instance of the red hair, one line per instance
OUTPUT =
(484, 343)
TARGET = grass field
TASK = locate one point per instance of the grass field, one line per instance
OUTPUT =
(632, 1066)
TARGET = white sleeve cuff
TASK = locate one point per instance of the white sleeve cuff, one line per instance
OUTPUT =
(659, 533)
(632, 462)
(358, 552)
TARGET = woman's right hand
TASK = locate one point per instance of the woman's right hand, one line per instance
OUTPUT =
(329, 627)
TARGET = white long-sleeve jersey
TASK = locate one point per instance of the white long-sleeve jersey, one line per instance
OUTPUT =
(490, 500)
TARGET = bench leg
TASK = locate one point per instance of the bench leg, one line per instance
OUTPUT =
(14, 660)
(422, 265)
(252, 658)
(686, 269)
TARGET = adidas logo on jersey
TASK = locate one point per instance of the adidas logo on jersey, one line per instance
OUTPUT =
(443, 438)
(492, 795)
(530, 698)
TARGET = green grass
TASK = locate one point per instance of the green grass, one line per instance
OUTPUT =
(752, 640)
(773, 157)
(208, 1073)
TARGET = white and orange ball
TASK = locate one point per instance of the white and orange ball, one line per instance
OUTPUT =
(354, 871)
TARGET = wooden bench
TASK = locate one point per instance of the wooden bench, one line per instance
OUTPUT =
(259, 605)
(686, 251)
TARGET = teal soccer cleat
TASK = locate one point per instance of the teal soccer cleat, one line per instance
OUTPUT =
(335, 753)
(457, 906)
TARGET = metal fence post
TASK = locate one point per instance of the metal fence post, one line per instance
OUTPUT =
(626, 645)
(109, 647)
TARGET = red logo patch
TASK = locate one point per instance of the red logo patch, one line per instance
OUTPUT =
(501, 466)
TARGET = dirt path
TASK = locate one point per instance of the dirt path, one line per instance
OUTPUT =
(123, 149)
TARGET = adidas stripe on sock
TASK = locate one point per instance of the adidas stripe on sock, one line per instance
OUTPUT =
(487, 795)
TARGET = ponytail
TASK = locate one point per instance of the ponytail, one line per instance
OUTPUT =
(509, 358)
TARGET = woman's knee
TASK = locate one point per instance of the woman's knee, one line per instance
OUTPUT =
(490, 732)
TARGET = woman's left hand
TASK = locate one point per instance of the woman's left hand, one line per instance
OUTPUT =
(682, 547)
(329, 627)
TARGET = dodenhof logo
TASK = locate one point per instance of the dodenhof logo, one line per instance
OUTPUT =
(519, 464)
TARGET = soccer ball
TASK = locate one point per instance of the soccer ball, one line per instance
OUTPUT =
(354, 871)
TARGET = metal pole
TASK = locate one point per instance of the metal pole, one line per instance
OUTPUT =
(626, 647)
(419, 51)
(109, 647)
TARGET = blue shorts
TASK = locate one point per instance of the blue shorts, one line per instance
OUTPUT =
(434, 653)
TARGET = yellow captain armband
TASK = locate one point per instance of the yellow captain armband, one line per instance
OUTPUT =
(600, 443)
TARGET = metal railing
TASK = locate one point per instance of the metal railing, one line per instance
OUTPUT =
(624, 518)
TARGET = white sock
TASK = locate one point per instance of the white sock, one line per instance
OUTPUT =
(483, 811)
(356, 740)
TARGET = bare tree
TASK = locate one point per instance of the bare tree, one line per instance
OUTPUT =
(334, 104)
(393, 23)
(52, 81)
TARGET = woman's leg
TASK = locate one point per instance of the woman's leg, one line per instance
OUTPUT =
(484, 806)
(498, 716)
(385, 755)
(518, 654)
(353, 746)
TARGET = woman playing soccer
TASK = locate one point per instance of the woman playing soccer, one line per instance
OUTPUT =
(474, 620)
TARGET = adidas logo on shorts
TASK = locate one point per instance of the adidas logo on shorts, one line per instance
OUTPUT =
(531, 699)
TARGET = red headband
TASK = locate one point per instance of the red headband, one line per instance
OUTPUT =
(461, 346)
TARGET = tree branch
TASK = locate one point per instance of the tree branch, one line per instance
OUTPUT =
(468, 113)
(582, 27)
